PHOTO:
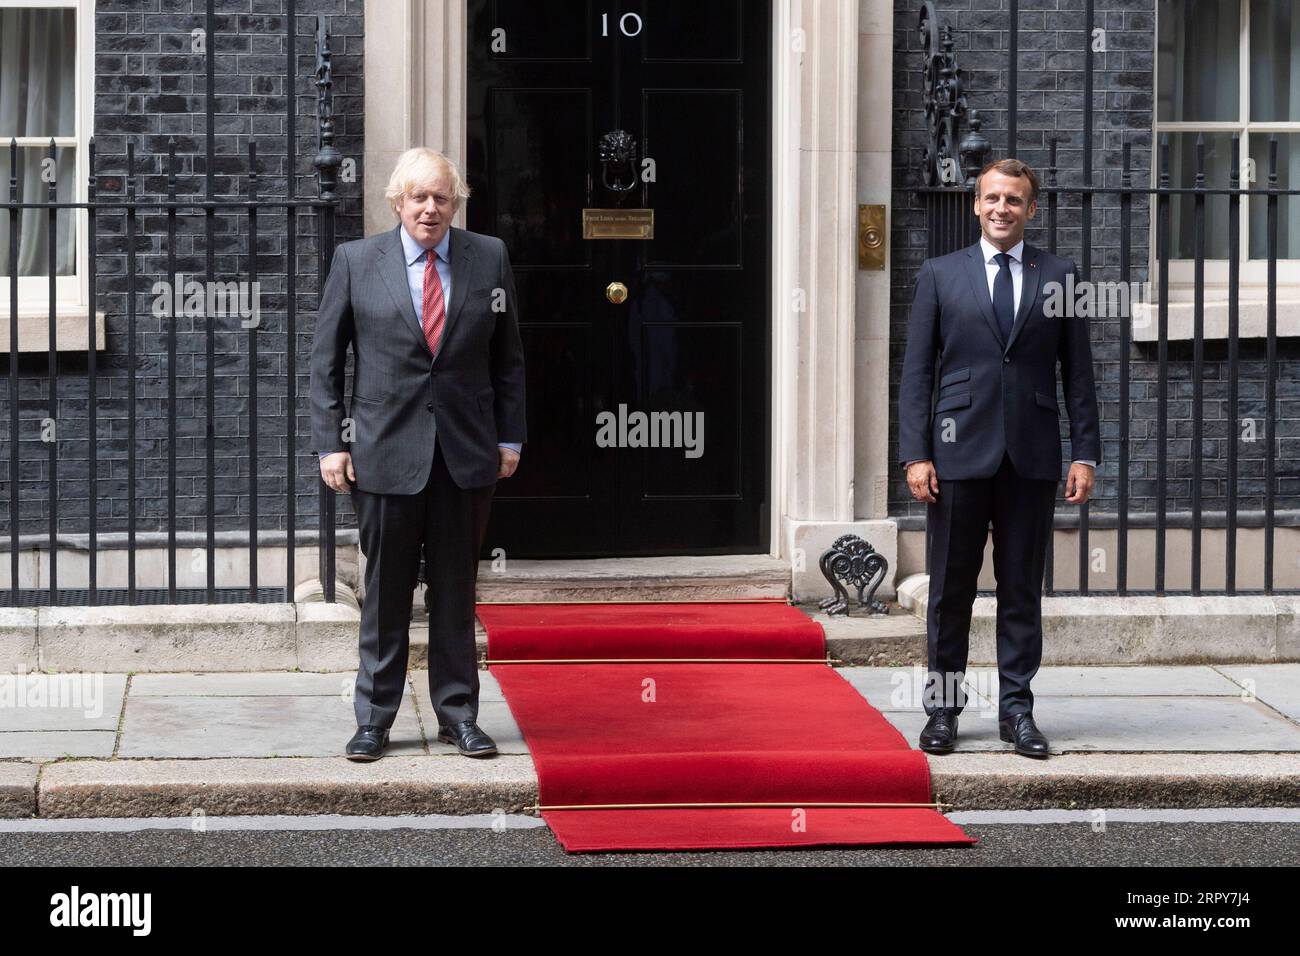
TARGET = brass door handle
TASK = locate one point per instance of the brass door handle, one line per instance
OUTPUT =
(616, 292)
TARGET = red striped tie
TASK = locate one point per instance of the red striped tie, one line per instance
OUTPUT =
(435, 312)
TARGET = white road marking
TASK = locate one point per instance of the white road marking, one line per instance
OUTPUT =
(1121, 815)
(515, 821)
(211, 822)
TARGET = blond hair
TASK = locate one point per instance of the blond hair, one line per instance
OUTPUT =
(420, 166)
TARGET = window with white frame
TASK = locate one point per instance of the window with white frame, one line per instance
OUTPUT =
(46, 92)
(1224, 67)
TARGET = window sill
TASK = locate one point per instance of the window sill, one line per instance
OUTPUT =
(1252, 315)
(70, 330)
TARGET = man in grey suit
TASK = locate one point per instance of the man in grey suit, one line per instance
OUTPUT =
(987, 447)
(436, 418)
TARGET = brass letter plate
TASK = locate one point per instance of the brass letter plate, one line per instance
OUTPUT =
(618, 224)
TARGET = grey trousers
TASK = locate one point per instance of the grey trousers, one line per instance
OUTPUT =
(445, 524)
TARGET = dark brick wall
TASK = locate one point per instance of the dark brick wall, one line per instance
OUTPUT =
(1051, 81)
(149, 86)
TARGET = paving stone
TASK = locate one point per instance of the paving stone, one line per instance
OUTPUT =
(75, 701)
(252, 684)
(1277, 685)
(1130, 725)
(1173, 681)
(253, 726)
(56, 744)
(894, 688)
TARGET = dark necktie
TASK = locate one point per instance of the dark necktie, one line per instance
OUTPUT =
(1004, 296)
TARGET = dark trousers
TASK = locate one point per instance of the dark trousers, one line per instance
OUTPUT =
(447, 524)
(1021, 512)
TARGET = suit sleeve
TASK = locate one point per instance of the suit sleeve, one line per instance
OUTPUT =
(917, 386)
(1075, 354)
(508, 363)
(329, 354)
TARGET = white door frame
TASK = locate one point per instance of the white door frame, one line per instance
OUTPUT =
(829, 471)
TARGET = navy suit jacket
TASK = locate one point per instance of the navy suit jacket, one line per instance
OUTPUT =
(994, 396)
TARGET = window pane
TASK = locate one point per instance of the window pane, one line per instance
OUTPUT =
(1288, 210)
(38, 62)
(1274, 60)
(34, 224)
(1182, 208)
(1197, 60)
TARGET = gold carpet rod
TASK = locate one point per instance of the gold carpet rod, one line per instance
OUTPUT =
(829, 661)
(733, 806)
(783, 601)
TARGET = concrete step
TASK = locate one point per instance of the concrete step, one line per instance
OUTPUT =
(876, 640)
(736, 577)
(732, 577)
(314, 636)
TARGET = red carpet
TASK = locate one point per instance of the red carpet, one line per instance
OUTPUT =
(656, 732)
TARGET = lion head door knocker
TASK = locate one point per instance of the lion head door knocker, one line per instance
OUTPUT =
(619, 175)
(617, 152)
(853, 561)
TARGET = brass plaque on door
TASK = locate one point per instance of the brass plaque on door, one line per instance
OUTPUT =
(618, 224)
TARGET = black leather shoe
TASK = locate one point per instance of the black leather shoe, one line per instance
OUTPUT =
(367, 743)
(469, 739)
(1021, 731)
(940, 733)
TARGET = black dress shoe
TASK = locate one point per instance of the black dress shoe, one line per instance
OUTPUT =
(469, 739)
(940, 733)
(1021, 731)
(367, 743)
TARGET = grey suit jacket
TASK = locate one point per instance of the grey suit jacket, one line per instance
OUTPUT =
(470, 395)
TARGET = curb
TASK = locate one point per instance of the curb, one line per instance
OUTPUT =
(285, 785)
(452, 784)
(983, 781)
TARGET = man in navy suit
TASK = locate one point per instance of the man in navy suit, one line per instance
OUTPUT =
(989, 448)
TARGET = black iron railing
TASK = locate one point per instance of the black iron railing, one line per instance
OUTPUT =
(247, 205)
(949, 167)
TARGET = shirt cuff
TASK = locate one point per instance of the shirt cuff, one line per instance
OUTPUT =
(1084, 461)
(514, 446)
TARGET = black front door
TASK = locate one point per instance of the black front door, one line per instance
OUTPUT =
(647, 417)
